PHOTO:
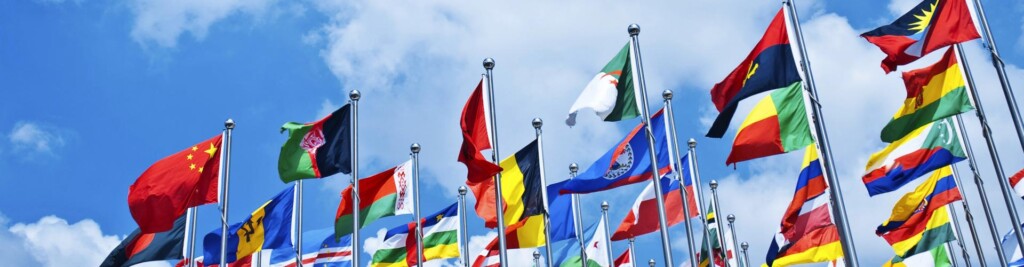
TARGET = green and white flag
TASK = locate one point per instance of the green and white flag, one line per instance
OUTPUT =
(611, 92)
(440, 240)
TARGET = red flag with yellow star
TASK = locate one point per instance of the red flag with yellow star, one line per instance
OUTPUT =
(175, 183)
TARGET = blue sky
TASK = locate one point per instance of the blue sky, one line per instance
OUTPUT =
(96, 91)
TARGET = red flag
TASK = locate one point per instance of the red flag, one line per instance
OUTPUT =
(643, 218)
(623, 260)
(480, 170)
(170, 186)
(927, 27)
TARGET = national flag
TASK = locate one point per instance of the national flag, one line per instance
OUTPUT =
(476, 137)
(923, 235)
(560, 215)
(1016, 184)
(643, 217)
(721, 254)
(624, 260)
(521, 187)
(611, 93)
(440, 240)
(937, 257)
(691, 194)
(1009, 244)
(933, 93)
(269, 227)
(334, 252)
(317, 149)
(596, 249)
(768, 67)
(141, 247)
(628, 162)
(175, 183)
(926, 149)
(914, 208)
(285, 257)
(806, 234)
(381, 195)
(777, 124)
(517, 236)
(930, 25)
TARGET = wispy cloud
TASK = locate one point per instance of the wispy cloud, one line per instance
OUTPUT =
(37, 139)
(161, 22)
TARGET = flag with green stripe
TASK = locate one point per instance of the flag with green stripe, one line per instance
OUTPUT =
(611, 93)
(440, 240)
(384, 194)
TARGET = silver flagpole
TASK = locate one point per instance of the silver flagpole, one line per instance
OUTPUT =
(607, 233)
(298, 223)
(698, 190)
(718, 223)
(1004, 81)
(462, 227)
(959, 239)
(191, 245)
(229, 126)
(674, 149)
(666, 246)
(537, 124)
(985, 205)
(746, 258)
(732, 229)
(498, 201)
(578, 214)
(353, 97)
(824, 148)
(970, 222)
(536, 258)
(259, 258)
(632, 252)
(415, 149)
(986, 132)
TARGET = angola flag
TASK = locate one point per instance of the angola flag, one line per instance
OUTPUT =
(381, 195)
(611, 93)
(933, 93)
(170, 186)
(316, 150)
(930, 25)
(777, 124)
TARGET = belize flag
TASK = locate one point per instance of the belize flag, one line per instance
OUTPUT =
(628, 162)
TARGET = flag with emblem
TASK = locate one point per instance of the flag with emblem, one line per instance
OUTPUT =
(933, 93)
(269, 227)
(597, 254)
(170, 186)
(317, 149)
(927, 27)
(939, 190)
(381, 195)
(141, 247)
(923, 150)
(611, 92)
(440, 240)
(335, 252)
(627, 162)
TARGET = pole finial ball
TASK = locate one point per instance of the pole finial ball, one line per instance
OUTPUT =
(488, 63)
(573, 167)
(229, 124)
(650, 262)
(633, 29)
(415, 148)
(537, 123)
(714, 184)
(731, 218)
(536, 254)
(354, 94)
(604, 205)
(692, 142)
(667, 94)
(462, 190)
(744, 245)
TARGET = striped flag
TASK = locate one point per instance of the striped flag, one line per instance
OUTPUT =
(938, 191)
(381, 195)
(922, 236)
(624, 260)
(335, 252)
(1009, 245)
(929, 26)
(643, 217)
(926, 149)
(777, 124)
(691, 194)
(937, 257)
(933, 93)
(440, 240)
(806, 234)
(1016, 184)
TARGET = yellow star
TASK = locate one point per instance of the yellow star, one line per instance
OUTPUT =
(189, 157)
(200, 169)
(211, 150)
(439, 216)
(194, 148)
(192, 167)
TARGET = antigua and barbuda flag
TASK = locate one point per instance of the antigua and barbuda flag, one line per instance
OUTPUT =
(628, 162)
(930, 25)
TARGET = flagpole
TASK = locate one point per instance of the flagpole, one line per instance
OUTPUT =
(498, 201)
(959, 239)
(986, 132)
(985, 205)
(732, 229)
(191, 245)
(229, 126)
(746, 258)
(298, 223)
(353, 97)
(718, 223)
(415, 149)
(607, 233)
(997, 62)
(666, 246)
(536, 258)
(632, 252)
(674, 152)
(698, 190)
(537, 124)
(577, 214)
(836, 193)
(970, 222)
(463, 231)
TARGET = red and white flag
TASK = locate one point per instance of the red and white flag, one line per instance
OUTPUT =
(1016, 184)
(643, 218)
(624, 260)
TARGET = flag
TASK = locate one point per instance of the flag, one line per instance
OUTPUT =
(334, 252)
(175, 183)
(1011, 249)
(933, 93)
(691, 195)
(269, 227)
(768, 67)
(716, 245)
(381, 195)
(937, 257)
(560, 215)
(141, 247)
(923, 235)
(628, 162)
(597, 253)
(521, 188)
(317, 149)
(1016, 184)
(776, 125)
(939, 190)
(475, 137)
(643, 217)
(517, 236)
(285, 257)
(440, 240)
(611, 92)
(930, 25)
(926, 149)
(624, 260)
(806, 234)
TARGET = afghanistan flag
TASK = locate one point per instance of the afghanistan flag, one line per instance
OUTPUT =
(928, 148)
(319, 149)
(769, 66)
(440, 240)
(777, 124)
(930, 25)
(383, 194)
(933, 93)
(170, 186)
(269, 227)
(139, 247)
(611, 92)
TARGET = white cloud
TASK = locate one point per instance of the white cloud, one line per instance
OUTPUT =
(899, 7)
(53, 242)
(35, 138)
(161, 22)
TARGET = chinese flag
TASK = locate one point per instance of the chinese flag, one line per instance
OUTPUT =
(169, 187)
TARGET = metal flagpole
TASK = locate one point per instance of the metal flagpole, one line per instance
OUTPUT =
(229, 126)
(298, 223)
(498, 201)
(632, 252)
(191, 245)
(986, 132)
(698, 190)
(970, 222)
(259, 259)
(578, 214)
(536, 258)
(997, 62)
(985, 205)
(718, 223)
(415, 149)
(607, 233)
(353, 97)
(462, 227)
(824, 148)
(674, 152)
(732, 229)
(746, 258)
(959, 239)
(537, 123)
(666, 246)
